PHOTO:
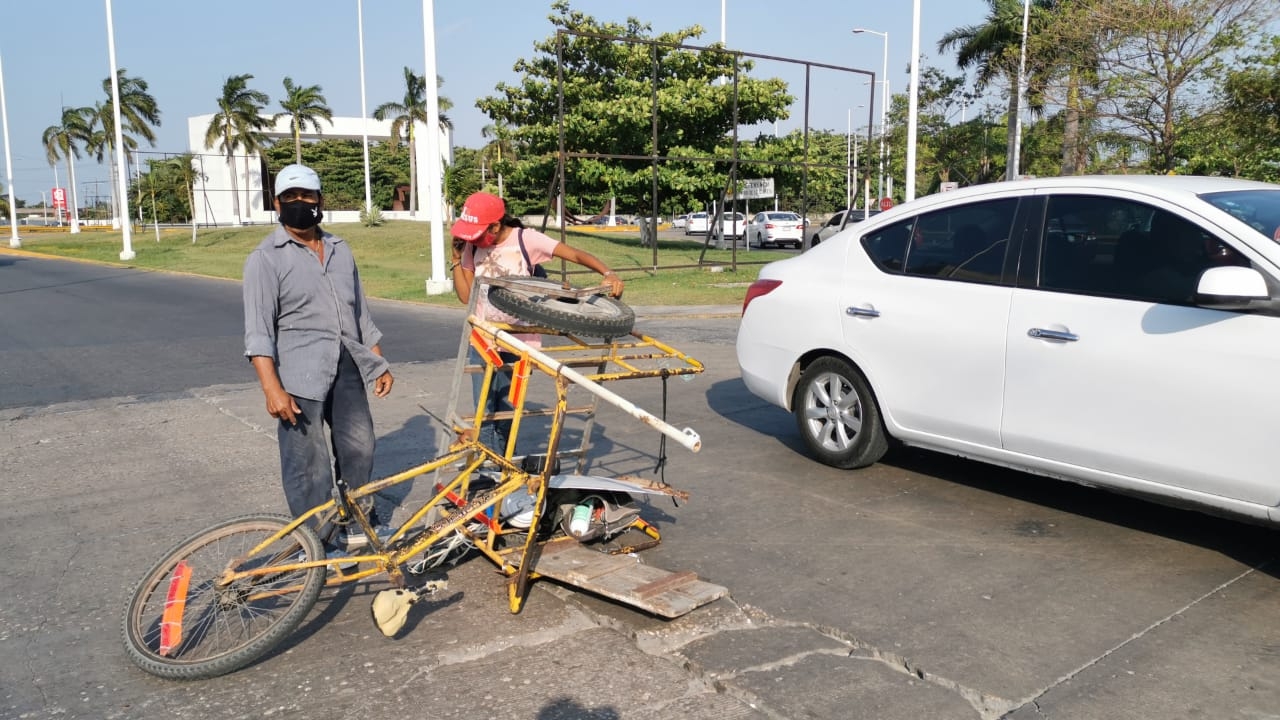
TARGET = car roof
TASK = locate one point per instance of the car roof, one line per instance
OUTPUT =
(1177, 188)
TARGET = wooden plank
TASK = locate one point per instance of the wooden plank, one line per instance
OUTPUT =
(627, 580)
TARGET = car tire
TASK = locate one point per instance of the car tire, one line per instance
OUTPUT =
(837, 415)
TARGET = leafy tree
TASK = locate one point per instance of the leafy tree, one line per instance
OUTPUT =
(994, 48)
(238, 125)
(340, 164)
(405, 115)
(303, 106)
(1155, 60)
(1247, 135)
(62, 141)
(139, 116)
(608, 91)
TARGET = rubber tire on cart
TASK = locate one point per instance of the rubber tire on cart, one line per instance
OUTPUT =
(225, 628)
(837, 415)
(535, 301)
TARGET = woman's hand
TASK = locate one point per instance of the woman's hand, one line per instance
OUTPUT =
(614, 283)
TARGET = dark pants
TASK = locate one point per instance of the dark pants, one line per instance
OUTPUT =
(305, 467)
(493, 434)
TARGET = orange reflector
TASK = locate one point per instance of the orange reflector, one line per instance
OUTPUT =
(174, 605)
(487, 351)
(519, 381)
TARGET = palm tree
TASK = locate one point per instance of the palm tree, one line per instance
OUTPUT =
(63, 141)
(303, 106)
(404, 115)
(238, 124)
(994, 48)
(139, 115)
(500, 146)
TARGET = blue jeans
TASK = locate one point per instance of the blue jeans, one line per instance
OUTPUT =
(493, 434)
(306, 467)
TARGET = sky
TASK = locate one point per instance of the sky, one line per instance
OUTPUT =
(56, 54)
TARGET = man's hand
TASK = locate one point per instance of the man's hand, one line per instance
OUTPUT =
(280, 405)
(382, 386)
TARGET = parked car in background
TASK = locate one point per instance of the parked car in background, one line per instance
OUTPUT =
(679, 222)
(836, 223)
(1121, 332)
(773, 228)
(734, 225)
(696, 224)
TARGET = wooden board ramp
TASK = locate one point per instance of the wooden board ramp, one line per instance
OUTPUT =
(625, 578)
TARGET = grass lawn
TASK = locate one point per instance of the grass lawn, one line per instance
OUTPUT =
(394, 259)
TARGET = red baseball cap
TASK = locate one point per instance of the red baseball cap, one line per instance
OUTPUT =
(479, 212)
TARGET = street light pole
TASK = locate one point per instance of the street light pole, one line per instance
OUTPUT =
(364, 114)
(121, 178)
(14, 241)
(913, 104)
(1016, 155)
(884, 98)
(437, 284)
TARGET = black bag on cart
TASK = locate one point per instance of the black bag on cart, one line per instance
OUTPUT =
(607, 513)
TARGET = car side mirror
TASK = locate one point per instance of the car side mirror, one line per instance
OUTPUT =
(1230, 288)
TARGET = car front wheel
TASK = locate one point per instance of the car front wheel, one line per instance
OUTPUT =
(837, 415)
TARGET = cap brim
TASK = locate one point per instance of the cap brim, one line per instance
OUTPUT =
(467, 231)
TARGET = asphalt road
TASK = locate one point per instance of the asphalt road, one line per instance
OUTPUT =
(923, 587)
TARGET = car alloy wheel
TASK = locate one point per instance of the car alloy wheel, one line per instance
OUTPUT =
(837, 414)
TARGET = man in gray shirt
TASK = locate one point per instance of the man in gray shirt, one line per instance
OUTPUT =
(313, 345)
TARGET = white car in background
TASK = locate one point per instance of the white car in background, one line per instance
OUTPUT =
(679, 222)
(697, 224)
(1119, 331)
(773, 228)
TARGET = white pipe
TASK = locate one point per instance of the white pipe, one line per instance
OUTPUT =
(122, 179)
(1013, 173)
(687, 437)
(14, 241)
(364, 114)
(913, 100)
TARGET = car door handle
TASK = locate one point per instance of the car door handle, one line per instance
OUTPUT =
(1043, 334)
(861, 311)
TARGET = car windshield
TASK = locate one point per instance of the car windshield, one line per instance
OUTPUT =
(784, 217)
(1259, 209)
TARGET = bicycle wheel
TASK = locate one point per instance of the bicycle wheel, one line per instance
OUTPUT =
(535, 301)
(222, 628)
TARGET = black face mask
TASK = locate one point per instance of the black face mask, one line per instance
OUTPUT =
(300, 214)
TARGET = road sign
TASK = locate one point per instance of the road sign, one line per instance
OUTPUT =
(949, 186)
(756, 188)
(59, 196)
(886, 203)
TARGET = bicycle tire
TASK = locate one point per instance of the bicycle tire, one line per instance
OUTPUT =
(534, 301)
(227, 628)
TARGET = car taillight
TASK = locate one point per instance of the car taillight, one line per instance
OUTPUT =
(757, 289)
(768, 226)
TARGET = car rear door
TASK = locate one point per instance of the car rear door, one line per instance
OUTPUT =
(929, 334)
(1106, 373)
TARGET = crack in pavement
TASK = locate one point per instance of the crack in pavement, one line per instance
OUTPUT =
(1035, 697)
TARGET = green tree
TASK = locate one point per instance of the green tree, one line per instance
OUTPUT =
(238, 125)
(139, 116)
(62, 141)
(994, 49)
(304, 106)
(405, 116)
(608, 90)
(1155, 62)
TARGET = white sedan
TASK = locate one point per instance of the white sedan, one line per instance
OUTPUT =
(1119, 331)
(773, 228)
(697, 224)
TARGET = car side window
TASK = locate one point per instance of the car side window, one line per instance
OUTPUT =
(887, 246)
(1122, 248)
(967, 242)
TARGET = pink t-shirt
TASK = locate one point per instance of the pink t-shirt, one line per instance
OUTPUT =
(503, 260)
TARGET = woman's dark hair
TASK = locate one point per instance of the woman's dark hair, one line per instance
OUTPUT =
(511, 221)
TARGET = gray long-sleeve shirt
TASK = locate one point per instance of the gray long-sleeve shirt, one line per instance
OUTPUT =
(302, 313)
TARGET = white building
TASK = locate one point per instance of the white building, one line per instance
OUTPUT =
(213, 186)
